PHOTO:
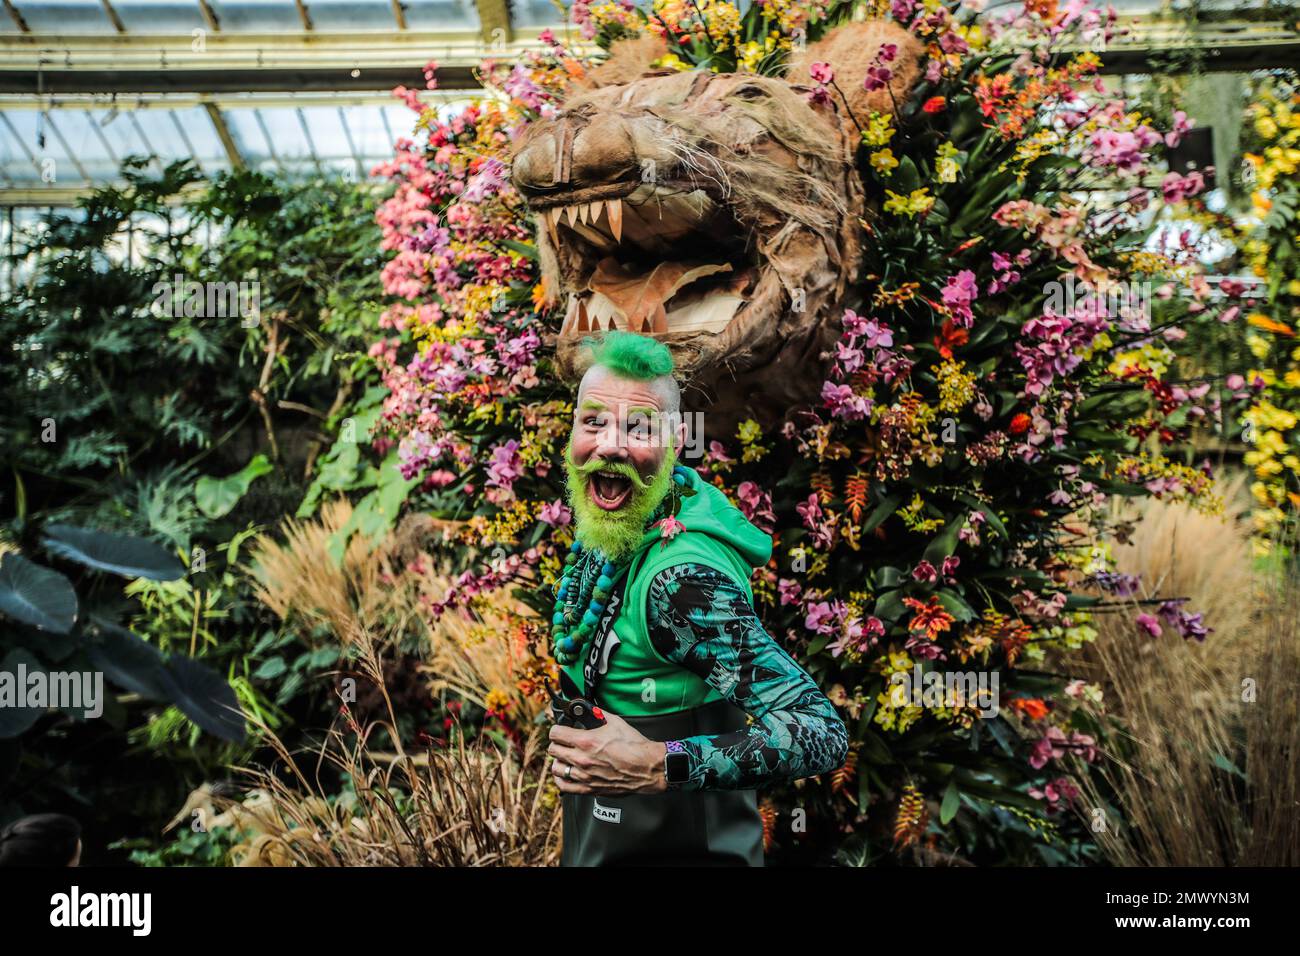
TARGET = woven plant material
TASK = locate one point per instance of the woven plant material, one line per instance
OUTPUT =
(717, 212)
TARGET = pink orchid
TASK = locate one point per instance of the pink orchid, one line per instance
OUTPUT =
(669, 528)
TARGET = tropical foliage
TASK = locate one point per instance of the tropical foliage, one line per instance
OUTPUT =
(177, 360)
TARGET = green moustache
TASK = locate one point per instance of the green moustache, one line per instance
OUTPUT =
(615, 534)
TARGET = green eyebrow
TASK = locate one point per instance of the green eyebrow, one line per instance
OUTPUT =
(591, 403)
(644, 410)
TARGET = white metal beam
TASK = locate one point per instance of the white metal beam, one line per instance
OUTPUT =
(67, 149)
(223, 101)
(311, 144)
(223, 133)
(352, 147)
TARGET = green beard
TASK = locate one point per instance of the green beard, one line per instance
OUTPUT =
(615, 534)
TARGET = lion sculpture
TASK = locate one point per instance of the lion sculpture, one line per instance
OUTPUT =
(718, 212)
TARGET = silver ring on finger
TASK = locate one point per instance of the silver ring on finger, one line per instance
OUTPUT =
(568, 771)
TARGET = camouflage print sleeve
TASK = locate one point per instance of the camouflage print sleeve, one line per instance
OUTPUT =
(701, 619)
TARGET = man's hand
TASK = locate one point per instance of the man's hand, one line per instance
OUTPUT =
(608, 760)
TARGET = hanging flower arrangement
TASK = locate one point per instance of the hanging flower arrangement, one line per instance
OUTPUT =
(1004, 367)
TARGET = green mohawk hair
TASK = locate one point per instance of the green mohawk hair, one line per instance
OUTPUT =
(630, 355)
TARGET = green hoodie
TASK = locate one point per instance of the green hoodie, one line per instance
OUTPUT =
(639, 682)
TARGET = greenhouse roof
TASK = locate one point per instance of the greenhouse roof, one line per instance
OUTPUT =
(304, 86)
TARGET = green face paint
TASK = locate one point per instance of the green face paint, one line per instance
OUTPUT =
(614, 533)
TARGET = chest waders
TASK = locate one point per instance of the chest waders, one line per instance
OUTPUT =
(625, 675)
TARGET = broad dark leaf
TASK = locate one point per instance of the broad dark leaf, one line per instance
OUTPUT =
(36, 595)
(204, 697)
(15, 720)
(129, 661)
(122, 554)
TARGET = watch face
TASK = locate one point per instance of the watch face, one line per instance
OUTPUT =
(677, 767)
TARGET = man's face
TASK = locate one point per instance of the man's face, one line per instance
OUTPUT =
(619, 463)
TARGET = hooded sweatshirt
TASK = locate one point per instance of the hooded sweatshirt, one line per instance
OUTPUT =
(638, 681)
(687, 636)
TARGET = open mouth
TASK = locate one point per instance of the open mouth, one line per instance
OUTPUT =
(659, 259)
(609, 490)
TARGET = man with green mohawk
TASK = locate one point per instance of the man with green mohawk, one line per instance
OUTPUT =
(654, 624)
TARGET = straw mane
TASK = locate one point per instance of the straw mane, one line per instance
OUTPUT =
(717, 212)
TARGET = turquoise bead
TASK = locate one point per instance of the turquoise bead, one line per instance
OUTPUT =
(557, 617)
(576, 547)
(609, 570)
(604, 582)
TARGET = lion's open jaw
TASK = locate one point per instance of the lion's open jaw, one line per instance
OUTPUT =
(661, 258)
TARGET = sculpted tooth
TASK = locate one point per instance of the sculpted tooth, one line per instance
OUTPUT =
(548, 220)
(572, 213)
(615, 210)
(582, 317)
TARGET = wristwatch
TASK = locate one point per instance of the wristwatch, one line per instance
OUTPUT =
(677, 764)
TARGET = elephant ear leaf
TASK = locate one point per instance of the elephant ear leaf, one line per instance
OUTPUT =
(130, 662)
(16, 720)
(217, 497)
(123, 554)
(204, 697)
(35, 595)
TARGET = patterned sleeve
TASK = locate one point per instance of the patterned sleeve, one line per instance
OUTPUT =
(702, 620)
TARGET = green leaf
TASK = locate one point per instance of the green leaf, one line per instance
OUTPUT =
(955, 605)
(951, 803)
(889, 606)
(18, 720)
(36, 595)
(128, 660)
(526, 249)
(1223, 763)
(874, 749)
(945, 543)
(883, 510)
(204, 697)
(270, 669)
(323, 657)
(217, 497)
(123, 554)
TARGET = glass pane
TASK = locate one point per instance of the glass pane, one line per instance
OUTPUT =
(256, 16)
(159, 16)
(441, 15)
(535, 13)
(65, 16)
